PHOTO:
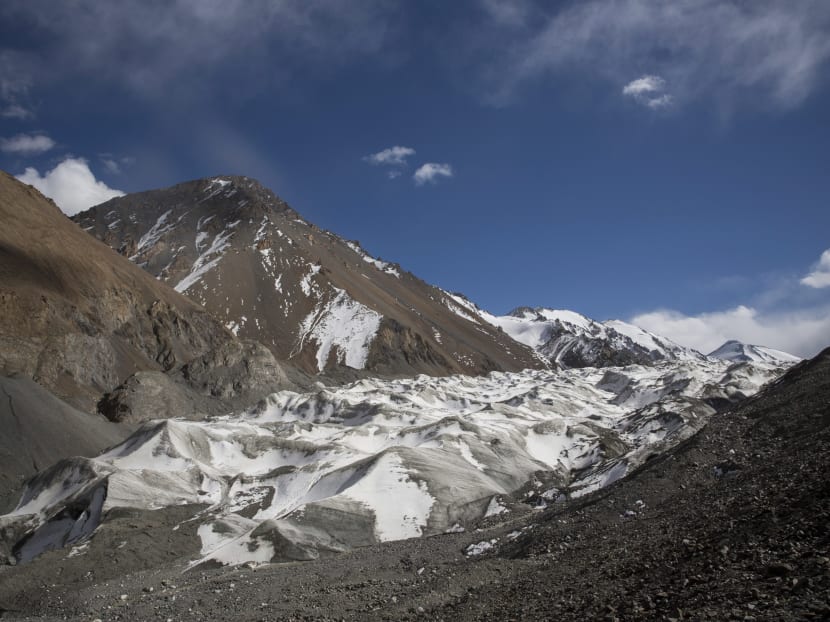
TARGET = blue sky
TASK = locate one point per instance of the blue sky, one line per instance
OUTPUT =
(661, 161)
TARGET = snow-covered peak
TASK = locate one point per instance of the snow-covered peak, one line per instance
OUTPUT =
(737, 351)
(571, 339)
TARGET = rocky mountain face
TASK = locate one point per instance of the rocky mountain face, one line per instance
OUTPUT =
(312, 298)
(736, 351)
(75, 316)
(95, 332)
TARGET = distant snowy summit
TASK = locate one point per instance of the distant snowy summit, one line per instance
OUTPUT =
(739, 352)
(569, 339)
(573, 340)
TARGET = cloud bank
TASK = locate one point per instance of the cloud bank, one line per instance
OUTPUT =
(154, 48)
(71, 184)
(801, 331)
(431, 172)
(764, 49)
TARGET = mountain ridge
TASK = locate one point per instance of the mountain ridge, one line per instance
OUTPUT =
(310, 296)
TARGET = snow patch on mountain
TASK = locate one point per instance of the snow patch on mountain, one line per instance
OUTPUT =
(207, 260)
(341, 323)
(461, 306)
(154, 234)
(379, 264)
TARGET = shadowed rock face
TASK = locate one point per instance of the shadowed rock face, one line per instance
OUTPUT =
(101, 334)
(309, 296)
(77, 317)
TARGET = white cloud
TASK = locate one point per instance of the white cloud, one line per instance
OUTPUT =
(27, 144)
(14, 88)
(430, 172)
(644, 86)
(820, 276)
(771, 51)
(111, 165)
(71, 184)
(660, 102)
(649, 91)
(157, 52)
(16, 111)
(801, 332)
(785, 316)
(393, 156)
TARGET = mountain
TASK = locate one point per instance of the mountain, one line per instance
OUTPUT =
(569, 339)
(83, 330)
(313, 298)
(76, 316)
(736, 351)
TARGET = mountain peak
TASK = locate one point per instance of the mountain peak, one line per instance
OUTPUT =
(311, 297)
(737, 351)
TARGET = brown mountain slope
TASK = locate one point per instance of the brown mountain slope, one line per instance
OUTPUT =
(77, 317)
(310, 296)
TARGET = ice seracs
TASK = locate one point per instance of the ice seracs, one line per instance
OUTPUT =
(307, 474)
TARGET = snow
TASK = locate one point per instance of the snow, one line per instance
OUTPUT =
(341, 323)
(306, 283)
(461, 307)
(152, 236)
(409, 456)
(636, 334)
(494, 508)
(390, 479)
(380, 265)
(553, 333)
(740, 352)
(480, 547)
(200, 239)
(567, 317)
(206, 261)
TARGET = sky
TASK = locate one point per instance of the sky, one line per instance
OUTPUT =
(665, 162)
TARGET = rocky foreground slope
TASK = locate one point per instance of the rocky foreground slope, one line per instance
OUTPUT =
(731, 524)
(313, 298)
